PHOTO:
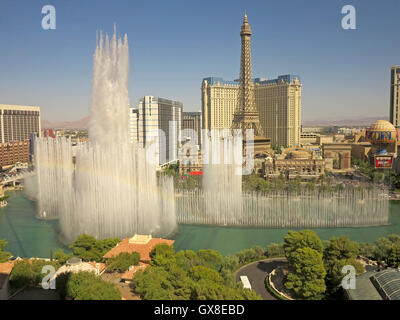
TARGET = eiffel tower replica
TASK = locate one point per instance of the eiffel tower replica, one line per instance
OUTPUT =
(246, 114)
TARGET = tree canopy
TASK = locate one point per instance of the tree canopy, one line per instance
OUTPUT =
(90, 249)
(123, 261)
(61, 256)
(339, 248)
(188, 275)
(4, 255)
(301, 239)
(307, 274)
(86, 286)
(28, 273)
(339, 252)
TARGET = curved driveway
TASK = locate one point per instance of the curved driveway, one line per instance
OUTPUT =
(257, 271)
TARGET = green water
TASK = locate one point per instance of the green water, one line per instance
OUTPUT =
(29, 237)
(26, 235)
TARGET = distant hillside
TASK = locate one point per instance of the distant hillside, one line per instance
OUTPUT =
(79, 124)
(83, 123)
(343, 122)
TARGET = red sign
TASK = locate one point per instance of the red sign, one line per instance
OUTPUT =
(196, 173)
(383, 162)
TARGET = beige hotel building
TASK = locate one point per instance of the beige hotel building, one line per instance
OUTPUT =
(278, 102)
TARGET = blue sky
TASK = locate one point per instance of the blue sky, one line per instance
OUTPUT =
(176, 43)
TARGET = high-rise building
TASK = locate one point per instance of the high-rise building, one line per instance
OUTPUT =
(18, 122)
(13, 152)
(218, 102)
(160, 122)
(191, 127)
(278, 102)
(134, 124)
(395, 96)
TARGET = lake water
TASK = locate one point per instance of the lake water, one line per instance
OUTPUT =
(28, 236)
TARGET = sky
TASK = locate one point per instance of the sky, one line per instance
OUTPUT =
(174, 44)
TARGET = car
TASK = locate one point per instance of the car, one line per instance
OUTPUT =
(246, 282)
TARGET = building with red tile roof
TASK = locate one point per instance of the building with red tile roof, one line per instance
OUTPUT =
(129, 274)
(143, 244)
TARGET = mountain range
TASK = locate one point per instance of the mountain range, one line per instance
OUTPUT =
(79, 124)
(84, 122)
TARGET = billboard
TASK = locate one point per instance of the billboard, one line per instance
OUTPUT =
(383, 162)
(196, 173)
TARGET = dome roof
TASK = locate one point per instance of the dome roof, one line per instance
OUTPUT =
(382, 132)
(382, 125)
(297, 153)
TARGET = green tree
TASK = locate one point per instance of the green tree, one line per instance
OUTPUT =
(153, 284)
(61, 284)
(334, 274)
(189, 275)
(275, 250)
(163, 255)
(88, 286)
(22, 275)
(37, 267)
(339, 248)
(394, 256)
(296, 240)
(90, 249)
(61, 256)
(307, 274)
(382, 249)
(211, 258)
(394, 238)
(367, 249)
(231, 262)
(4, 255)
(199, 273)
(28, 273)
(187, 259)
(123, 261)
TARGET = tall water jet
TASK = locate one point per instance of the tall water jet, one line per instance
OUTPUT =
(220, 201)
(111, 189)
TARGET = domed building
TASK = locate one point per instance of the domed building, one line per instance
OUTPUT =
(293, 162)
(383, 137)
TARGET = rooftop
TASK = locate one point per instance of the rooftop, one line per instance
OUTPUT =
(143, 244)
(387, 283)
(377, 285)
(128, 275)
(19, 108)
(140, 239)
(287, 78)
(364, 290)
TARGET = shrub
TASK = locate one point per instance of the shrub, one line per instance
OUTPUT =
(123, 261)
(88, 286)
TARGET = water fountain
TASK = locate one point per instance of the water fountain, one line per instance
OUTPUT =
(110, 189)
(221, 201)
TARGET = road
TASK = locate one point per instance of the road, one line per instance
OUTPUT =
(256, 272)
